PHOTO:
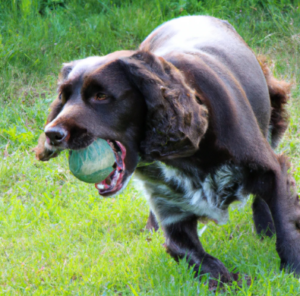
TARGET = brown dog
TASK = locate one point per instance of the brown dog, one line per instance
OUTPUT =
(195, 102)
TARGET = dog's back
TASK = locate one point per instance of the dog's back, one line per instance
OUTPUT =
(218, 44)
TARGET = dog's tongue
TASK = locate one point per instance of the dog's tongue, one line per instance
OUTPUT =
(105, 184)
(112, 183)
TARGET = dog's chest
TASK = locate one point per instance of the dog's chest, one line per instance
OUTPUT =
(174, 195)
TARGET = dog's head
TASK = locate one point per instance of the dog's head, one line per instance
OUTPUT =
(138, 102)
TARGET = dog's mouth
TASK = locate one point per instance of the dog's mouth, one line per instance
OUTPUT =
(115, 181)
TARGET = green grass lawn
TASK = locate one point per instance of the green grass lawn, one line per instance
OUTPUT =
(57, 236)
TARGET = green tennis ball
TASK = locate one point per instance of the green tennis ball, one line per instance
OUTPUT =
(92, 164)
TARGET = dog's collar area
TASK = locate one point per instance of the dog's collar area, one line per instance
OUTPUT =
(114, 182)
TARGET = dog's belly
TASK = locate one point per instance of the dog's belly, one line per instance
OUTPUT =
(174, 195)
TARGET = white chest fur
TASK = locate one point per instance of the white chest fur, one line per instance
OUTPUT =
(174, 196)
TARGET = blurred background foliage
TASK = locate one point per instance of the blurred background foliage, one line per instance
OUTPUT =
(39, 34)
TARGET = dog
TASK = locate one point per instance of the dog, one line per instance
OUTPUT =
(196, 115)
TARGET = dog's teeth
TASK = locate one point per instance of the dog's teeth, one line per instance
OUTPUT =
(100, 186)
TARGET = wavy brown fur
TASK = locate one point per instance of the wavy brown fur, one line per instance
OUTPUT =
(279, 95)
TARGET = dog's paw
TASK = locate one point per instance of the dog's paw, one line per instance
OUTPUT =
(239, 279)
(216, 270)
(291, 265)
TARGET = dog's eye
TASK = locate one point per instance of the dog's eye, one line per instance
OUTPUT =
(100, 97)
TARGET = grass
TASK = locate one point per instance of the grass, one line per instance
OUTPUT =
(57, 236)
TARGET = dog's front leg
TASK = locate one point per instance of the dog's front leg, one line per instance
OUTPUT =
(152, 223)
(285, 208)
(182, 242)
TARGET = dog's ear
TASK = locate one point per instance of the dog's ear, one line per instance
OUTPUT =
(176, 121)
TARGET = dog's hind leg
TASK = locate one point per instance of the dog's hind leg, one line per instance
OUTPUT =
(182, 242)
(285, 208)
(278, 189)
(262, 218)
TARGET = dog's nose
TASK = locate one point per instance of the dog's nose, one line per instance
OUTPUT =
(55, 135)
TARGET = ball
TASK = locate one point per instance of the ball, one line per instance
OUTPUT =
(92, 164)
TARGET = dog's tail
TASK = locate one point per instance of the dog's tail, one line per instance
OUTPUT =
(279, 96)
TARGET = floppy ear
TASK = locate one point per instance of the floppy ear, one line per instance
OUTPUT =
(176, 121)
